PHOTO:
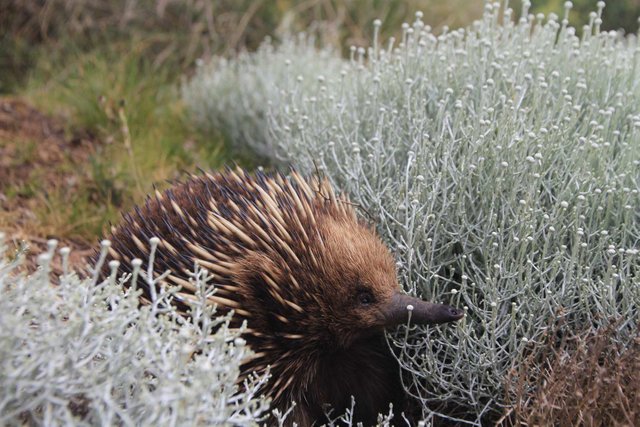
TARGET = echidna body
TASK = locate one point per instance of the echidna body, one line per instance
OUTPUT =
(316, 285)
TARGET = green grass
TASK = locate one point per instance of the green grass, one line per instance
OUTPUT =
(133, 109)
(25, 150)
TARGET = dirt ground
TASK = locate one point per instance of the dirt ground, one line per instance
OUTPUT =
(37, 152)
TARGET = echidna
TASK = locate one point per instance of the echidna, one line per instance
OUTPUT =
(315, 284)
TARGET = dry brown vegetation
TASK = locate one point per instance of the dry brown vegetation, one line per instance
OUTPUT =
(41, 166)
(585, 379)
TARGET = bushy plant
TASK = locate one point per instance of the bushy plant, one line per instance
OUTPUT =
(234, 96)
(500, 162)
(80, 352)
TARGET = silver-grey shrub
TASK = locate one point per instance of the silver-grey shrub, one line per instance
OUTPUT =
(501, 163)
(233, 97)
(78, 352)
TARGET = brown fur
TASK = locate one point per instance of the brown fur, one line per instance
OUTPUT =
(293, 260)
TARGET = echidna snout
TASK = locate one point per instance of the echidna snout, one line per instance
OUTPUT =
(315, 284)
(404, 308)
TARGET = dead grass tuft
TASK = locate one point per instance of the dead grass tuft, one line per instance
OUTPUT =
(588, 378)
(41, 163)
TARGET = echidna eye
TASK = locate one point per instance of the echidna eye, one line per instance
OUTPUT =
(365, 297)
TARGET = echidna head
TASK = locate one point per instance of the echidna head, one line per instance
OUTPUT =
(352, 291)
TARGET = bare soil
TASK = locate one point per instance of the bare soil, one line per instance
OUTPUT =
(38, 153)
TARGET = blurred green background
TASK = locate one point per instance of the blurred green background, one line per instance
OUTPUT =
(179, 31)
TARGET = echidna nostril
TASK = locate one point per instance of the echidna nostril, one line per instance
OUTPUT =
(456, 313)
